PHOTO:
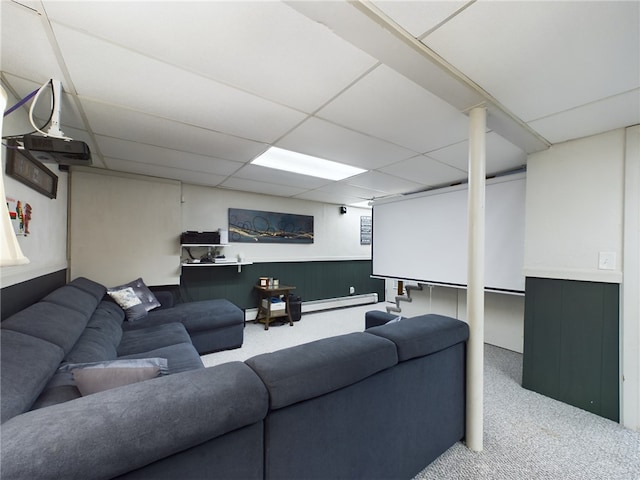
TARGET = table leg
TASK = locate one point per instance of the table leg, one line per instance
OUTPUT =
(286, 299)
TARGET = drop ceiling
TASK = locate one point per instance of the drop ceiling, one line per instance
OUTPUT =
(194, 91)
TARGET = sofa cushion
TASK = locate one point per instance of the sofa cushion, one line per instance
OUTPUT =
(181, 357)
(101, 336)
(97, 377)
(73, 298)
(51, 322)
(423, 335)
(196, 316)
(94, 288)
(26, 365)
(151, 338)
(375, 318)
(312, 369)
(110, 433)
(55, 395)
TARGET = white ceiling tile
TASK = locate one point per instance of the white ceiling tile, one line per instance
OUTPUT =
(387, 105)
(542, 58)
(279, 177)
(382, 183)
(25, 48)
(186, 176)
(326, 140)
(150, 86)
(418, 17)
(152, 155)
(115, 121)
(426, 171)
(501, 155)
(329, 197)
(608, 114)
(265, 48)
(265, 188)
(342, 188)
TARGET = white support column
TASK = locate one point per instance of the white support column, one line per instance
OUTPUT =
(475, 278)
(630, 311)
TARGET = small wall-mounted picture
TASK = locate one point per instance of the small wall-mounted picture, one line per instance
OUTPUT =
(366, 228)
(256, 226)
(30, 171)
(20, 215)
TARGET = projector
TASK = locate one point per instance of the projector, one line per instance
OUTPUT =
(51, 149)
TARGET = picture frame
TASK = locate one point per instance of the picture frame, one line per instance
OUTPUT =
(257, 226)
(31, 172)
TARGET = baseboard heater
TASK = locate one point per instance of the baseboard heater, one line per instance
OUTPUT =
(325, 304)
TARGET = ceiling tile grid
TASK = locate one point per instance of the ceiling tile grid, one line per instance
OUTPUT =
(194, 91)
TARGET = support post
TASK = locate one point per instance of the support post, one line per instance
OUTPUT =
(475, 278)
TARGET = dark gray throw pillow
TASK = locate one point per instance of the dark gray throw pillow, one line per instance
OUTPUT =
(134, 298)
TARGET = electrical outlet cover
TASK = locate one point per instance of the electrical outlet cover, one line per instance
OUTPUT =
(607, 261)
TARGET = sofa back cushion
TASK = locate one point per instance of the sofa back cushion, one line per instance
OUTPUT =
(73, 298)
(56, 324)
(27, 363)
(89, 286)
(313, 369)
(101, 337)
(423, 335)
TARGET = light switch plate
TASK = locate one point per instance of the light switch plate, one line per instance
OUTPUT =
(607, 261)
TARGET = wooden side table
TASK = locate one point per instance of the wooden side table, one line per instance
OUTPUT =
(265, 315)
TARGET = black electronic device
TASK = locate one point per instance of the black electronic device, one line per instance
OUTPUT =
(202, 238)
(58, 150)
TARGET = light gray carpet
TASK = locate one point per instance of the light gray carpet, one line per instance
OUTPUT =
(526, 435)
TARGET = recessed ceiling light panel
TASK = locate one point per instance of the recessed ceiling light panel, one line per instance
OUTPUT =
(289, 161)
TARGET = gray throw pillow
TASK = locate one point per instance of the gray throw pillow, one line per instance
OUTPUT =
(99, 376)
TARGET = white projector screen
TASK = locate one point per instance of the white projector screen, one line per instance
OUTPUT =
(423, 237)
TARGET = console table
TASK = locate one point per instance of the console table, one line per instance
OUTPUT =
(265, 315)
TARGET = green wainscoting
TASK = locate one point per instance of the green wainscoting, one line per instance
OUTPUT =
(313, 280)
(571, 343)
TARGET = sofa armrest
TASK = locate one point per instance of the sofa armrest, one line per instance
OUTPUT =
(116, 431)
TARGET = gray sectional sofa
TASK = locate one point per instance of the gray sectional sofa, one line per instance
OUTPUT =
(382, 403)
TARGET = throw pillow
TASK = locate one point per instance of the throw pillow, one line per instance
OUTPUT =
(134, 298)
(99, 376)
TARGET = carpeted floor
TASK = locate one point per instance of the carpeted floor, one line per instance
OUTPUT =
(526, 435)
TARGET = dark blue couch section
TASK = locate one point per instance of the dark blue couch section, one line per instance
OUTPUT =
(376, 404)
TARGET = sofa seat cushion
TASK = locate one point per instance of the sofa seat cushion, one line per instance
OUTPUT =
(196, 316)
(27, 364)
(181, 357)
(423, 335)
(152, 338)
(313, 369)
(57, 324)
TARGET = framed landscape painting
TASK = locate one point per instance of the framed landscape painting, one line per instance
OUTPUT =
(256, 226)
